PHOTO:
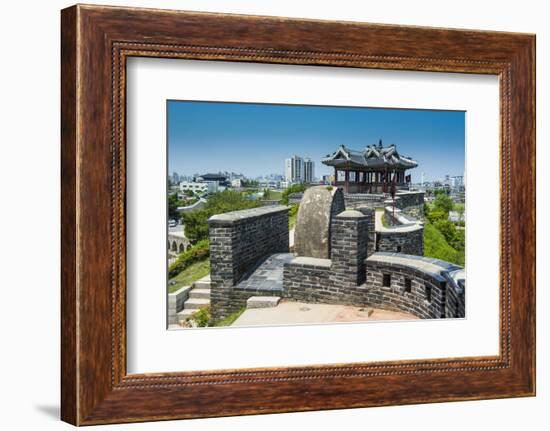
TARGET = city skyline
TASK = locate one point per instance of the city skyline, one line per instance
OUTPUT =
(256, 139)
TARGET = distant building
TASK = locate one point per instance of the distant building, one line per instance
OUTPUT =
(457, 181)
(237, 183)
(175, 178)
(294, 169)
(268, 184)
(221, 179)
(309, 171)
(196, 187)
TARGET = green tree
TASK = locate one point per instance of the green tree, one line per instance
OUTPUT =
(196, 225)
(435, 245)
(435, 215)
(448, 230)
(443, 203)
(173, 204)
(294, 188)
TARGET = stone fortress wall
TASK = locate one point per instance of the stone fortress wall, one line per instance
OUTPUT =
(404, 234)
(411, 203)
(239, 240)
(347, 269)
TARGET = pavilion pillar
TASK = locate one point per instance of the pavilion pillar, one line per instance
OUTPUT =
(335, 177)
(346, 180)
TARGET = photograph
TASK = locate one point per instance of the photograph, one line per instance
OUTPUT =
(281, 214)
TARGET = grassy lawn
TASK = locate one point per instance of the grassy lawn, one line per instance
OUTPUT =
(227, 321)
(275, 195)
(436, 246)
(190, 274)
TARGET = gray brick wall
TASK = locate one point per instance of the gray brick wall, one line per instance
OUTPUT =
(407, 242)
(426, 293)
(411, 289)
(425, 298)
(238, 241)
(349, 247)
(364, 200)
(411, 203)
(371, 226)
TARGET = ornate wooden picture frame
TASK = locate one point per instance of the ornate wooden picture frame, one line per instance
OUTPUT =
(96, 42)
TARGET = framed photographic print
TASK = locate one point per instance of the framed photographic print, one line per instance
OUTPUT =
(268, 215)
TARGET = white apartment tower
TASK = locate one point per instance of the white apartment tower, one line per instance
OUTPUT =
(294, 169)
(309, 170)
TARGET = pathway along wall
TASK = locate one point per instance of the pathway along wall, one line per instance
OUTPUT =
(239, 241)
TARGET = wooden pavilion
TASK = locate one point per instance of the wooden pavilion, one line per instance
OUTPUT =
(376, 169)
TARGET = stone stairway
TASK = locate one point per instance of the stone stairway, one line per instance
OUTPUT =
(199, 297)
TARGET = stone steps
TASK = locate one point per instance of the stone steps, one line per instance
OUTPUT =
(199, 293)
(202, 284)
(196, 303)
(183, 314)
(199, 297)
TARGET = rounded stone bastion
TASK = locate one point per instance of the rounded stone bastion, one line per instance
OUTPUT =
(318, 207)
(425, 287)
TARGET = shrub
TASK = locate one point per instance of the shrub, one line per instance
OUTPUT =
(200, 251)
(447, 228)
(436, 215)
(436, 246)
(202, 317)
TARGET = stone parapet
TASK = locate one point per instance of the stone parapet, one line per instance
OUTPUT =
(239, 240)
(411, 203)
(413, 284)
(403, 234)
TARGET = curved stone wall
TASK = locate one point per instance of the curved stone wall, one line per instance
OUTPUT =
(421, 286)
(402, 239)
(426, 288)
(401, 233)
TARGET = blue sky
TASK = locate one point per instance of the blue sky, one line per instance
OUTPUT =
(254, 139)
